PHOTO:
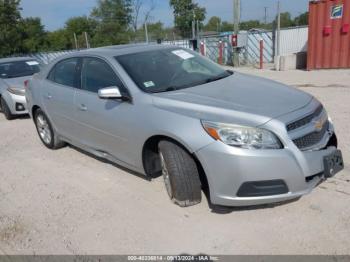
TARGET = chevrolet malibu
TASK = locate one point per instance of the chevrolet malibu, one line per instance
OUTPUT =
(164, 110)
(14, 72)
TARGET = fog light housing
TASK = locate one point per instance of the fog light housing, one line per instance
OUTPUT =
(20, 107)
(263, 188)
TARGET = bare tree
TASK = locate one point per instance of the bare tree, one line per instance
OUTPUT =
(137, 5)
(148, 13)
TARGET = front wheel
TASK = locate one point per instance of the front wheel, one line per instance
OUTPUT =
(6, 110)
(180, 174)
(45, 131)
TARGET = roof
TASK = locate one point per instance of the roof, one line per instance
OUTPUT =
(15, 59)
(120, 49)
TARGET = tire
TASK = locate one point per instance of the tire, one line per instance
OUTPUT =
(45, 131)
(6, 110)
(180, 173)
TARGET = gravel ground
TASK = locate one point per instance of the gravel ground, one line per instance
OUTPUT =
(66, 202)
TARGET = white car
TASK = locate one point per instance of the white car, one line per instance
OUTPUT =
(14, 73)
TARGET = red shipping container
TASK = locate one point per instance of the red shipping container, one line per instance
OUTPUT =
(329, 34)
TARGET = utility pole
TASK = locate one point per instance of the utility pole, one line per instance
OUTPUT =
(87, 40)
(265, 16)
(76, 41)
(237, 18)
(194, 25)
(146, 33)
(278, 51)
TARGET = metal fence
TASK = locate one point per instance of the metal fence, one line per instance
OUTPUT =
(47, 57)
(184, 43)
(293, 40)
(218, 48)
(253, 47)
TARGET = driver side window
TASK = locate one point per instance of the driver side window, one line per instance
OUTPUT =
(97, 74)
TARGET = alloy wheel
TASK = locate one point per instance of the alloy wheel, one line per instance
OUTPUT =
(43, 129)
(166, 176)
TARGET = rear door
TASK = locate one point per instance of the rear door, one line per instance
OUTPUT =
(102, 123)
(58, 96)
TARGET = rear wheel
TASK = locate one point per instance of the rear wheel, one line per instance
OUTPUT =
(6, 110)
(180, 174)
(45, 131)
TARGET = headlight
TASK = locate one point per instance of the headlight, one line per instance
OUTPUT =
(242, 136)
(16, 91)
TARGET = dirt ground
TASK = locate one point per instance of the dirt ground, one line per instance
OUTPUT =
(66, 202)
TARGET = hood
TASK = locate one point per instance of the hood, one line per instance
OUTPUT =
(251, 97)
(16, 82)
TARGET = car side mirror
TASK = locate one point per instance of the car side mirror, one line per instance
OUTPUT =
(112, 92)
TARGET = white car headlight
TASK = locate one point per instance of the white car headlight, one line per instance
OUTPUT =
(242, 136)
(16, 91)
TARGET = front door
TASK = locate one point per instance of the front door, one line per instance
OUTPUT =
(101, 121)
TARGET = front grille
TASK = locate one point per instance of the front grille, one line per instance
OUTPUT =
(311, 139)
(306, 120)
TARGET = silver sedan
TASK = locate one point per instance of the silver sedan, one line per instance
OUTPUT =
(164, 110)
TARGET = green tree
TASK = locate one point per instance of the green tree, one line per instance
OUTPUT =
(10, 17)
(214, 24)
(114, 18)
(185, 11)
(33, 35)
(286, 20)
(251, 24)
(79, 25)
(155, 31)
(226, 27)
(302, 19)
(59, 40)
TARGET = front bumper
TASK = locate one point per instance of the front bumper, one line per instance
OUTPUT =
(16, 103)
(228, 168)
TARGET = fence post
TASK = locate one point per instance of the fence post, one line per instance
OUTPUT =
(202, 48)
(220, 52)
(261, 54)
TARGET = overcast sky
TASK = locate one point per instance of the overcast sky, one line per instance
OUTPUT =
(54, 13)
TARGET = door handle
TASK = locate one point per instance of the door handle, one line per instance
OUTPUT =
(83, 107)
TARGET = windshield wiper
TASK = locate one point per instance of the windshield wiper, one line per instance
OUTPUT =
(168, 89)
(216, 78)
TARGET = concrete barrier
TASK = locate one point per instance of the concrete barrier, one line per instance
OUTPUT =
(291, 62)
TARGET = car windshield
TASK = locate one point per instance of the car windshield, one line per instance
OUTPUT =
(170, 69)
(19, 69)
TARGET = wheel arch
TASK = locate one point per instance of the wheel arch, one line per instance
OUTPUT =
(34, 109)
(151, 161)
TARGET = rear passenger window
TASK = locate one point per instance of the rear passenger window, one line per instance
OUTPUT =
(97, 74)
(64, 72)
